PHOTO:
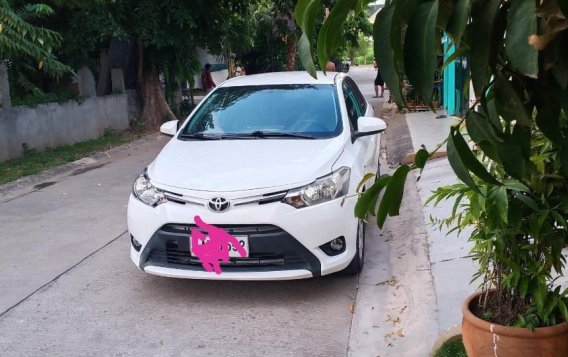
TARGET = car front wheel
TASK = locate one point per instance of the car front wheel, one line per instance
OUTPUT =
(356, 264)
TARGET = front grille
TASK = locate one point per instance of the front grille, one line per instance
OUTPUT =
(270, 248)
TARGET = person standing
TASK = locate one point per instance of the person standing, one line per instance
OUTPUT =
(206, 78)
(379, 82)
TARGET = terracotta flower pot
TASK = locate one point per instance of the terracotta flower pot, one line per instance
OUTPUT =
(482, 338)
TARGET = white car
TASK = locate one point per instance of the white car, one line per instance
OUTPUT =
(272, 159)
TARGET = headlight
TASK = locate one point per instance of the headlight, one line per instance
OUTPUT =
(146, 192)
(321, 190)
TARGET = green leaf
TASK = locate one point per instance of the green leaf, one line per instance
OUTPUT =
(501, 203)
(457, 53)
(498, 37)
(539, 294)
(490, 150)
(560, 219)
(524, 287)
(513, 159)
(509, 103)
(420, 158)
(457, 204)
(365, 178)
(330, 35)
(384, 51)
(490, 109)
(563, 309)
(306, 13)
(445, 11)
(514, 220)
(563, 158)
(484, 14)
(527, 201)
(457, 164)
(366, 203)
(361, 5)
(390, 203)
(516, 186)
(522, 24)
(467, 158)
(402, 13)
(548, 119)
(305, 53)
(480, 129)
(522, 137)
(458, 21)
(421, 41)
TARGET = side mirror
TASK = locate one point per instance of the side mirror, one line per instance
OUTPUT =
(169, 128)
(368, 126)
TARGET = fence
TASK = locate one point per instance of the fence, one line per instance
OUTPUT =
(52, 125)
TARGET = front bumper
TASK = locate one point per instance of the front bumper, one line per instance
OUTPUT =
(283, 241)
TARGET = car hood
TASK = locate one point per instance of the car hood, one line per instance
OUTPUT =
(234, 165)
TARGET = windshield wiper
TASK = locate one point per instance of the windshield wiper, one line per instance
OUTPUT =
(200, 136)
(272, 134)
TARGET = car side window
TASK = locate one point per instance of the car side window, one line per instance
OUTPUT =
(353, 110)
(358, 95)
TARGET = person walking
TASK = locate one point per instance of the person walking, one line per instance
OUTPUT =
(206, 78)
(379, 83)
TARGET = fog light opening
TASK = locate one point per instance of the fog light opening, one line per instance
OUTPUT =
(334, 247)
(136, 244)
(336, 244)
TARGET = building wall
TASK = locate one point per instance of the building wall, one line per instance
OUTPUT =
(52, 125)
(219, 76)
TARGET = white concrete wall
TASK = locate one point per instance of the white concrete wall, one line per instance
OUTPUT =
(52, 125)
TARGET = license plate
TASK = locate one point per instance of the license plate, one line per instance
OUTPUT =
(243, 241)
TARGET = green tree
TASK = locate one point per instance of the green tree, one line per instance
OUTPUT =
(165, 34)
(25, 46)
(20, 38)
(278, 35)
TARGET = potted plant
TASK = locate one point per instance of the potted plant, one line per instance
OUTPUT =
(518, 235)
(514, 182)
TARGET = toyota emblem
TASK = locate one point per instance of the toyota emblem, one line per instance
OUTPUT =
(219, 204)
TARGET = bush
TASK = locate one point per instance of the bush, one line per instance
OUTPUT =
(453, 347)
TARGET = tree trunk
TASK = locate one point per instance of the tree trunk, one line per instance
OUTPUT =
(177, 97)
(291, 62)
(291, 42)
(156, 110)
(103, 84)
(5, 101)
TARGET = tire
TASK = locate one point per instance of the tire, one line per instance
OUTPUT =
(378, 174)
(356, 264)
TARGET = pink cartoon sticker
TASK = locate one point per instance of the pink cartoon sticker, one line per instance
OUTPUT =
(212, 248)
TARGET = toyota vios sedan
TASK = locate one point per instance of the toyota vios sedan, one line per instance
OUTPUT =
(272, 159)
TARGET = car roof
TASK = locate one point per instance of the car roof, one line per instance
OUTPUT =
(297, 77)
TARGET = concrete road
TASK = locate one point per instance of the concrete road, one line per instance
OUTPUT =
(68, 287)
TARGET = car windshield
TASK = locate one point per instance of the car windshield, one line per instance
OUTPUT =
(268, 111)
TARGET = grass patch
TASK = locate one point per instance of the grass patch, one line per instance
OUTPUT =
(34, 162)
(453, 347)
